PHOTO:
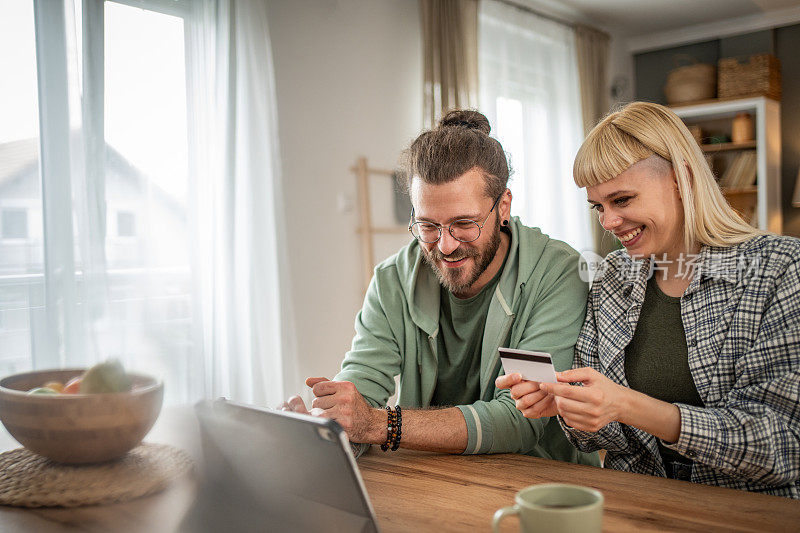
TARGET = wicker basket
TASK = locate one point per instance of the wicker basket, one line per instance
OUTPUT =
(758, 75)
(688, 83)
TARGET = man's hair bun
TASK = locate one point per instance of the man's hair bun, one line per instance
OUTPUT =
(459, 143)
(465, 118)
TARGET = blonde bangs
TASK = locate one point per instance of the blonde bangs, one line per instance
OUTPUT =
(606, 153)
(642, 129)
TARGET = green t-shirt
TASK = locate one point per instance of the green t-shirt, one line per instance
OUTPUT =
(460, 339)
(657, 358)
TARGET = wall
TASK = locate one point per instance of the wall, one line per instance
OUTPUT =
(620, 71)
(349, 83)
(651, 70)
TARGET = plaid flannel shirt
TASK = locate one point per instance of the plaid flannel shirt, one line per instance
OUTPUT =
(741, 316)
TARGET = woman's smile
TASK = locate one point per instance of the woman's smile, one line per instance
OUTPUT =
(631, 237)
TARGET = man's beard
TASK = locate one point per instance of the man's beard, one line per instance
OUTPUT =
(450, 278)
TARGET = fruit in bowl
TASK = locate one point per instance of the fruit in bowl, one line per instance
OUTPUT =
(82, 426)
(108, 376)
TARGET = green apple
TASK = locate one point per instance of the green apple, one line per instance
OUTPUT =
(108, 376)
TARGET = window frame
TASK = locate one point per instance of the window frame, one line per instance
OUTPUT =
(125, 213)
(50, 28)
(4, 207)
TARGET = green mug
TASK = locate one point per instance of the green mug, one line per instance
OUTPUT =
(555, 508)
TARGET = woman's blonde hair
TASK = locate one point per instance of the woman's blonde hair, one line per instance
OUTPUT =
(642, 129)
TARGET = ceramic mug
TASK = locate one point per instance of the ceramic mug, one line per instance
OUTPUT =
(555, 508)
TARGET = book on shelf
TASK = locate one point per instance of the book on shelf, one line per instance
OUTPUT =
(742, 171)
(747, 174)
(727, 177)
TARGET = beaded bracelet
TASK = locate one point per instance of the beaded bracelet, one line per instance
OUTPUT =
(399, 433)
(391, 418)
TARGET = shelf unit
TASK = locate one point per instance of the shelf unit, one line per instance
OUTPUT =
(716, 116)
(724, 147)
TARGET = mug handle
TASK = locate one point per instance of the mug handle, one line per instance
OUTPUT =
(502, 513)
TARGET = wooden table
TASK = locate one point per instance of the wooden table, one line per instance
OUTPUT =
(160, 513)
(416, 491)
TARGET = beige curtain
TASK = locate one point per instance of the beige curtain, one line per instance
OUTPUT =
(450, 50)
(592, 48)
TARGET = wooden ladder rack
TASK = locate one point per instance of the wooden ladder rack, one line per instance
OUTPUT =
(367, 231)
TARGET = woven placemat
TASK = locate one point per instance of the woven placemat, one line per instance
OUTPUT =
(30, 480)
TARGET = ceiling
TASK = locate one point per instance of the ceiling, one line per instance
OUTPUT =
(641, 17)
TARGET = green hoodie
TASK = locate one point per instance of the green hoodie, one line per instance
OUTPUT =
(539, 304)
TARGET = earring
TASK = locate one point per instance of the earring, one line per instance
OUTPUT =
(505, 222)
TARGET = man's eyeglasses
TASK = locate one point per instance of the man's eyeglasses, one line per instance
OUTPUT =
(464, 229)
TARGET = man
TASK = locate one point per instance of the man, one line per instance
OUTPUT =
(472, 280)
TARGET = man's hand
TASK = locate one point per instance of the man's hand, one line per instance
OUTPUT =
(529, 398)
(296, 404)
(341, 401)
(589, 408)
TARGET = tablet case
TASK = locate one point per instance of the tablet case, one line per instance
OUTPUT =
(267, 470)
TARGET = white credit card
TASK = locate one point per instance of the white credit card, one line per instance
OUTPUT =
(533, 366)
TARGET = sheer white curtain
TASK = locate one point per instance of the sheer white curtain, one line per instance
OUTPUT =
(529, 90)
(160, 230)
(243, 274)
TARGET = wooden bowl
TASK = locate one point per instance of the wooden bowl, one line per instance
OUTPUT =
(78, 428)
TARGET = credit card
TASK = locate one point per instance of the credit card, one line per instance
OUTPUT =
(533, 366)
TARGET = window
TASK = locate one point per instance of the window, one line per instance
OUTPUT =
(173, 272)
(14, 223)
(145, 124)
(126, 224)
(529, 91)
(21, 262)
(122, 145)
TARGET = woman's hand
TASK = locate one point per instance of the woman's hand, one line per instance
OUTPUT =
(530, 400)
(589, 408)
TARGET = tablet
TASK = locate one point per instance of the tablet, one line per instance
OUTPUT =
(533, 366)
(268, 470)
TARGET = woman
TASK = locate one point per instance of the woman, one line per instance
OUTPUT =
(689, 358)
